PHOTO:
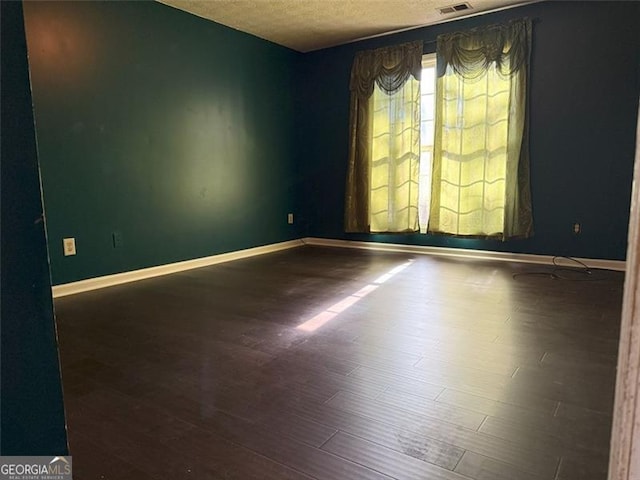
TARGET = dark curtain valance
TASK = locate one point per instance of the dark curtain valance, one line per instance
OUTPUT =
(471, 52)
(388, 67)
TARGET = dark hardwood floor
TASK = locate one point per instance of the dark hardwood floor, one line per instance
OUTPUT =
(319, 363)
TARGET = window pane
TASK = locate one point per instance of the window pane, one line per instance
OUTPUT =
(428, 79)
(427, 113)
(424, 201)
(426, 133)
(427, 106)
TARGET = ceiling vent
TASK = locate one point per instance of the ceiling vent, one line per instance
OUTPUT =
(455, 8)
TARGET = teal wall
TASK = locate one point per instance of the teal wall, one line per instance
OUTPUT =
(187, 138)
(171, 131)
(584, 98)
(31, 409)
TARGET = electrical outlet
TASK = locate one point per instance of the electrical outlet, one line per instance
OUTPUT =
(577, 228)
(290, 218)
(117, 239)
(69, 246)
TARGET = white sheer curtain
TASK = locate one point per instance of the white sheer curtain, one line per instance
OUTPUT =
(395, 159)
(481, 160)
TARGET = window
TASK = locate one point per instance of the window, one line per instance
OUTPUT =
(381, 192)
(480, 184)
(472, 183)
(442, 151)
(474, 119)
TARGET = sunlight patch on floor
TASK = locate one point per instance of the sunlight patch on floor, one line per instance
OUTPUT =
(330, 313)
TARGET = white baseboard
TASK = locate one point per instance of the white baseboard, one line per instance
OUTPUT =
(132, 276)
(618, 265)
(135, 275)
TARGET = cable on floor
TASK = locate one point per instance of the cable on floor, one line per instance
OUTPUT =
(580, 273)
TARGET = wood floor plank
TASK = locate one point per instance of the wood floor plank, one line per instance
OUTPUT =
(89, 464)
(401, 440)
(285, 450)
(523, 455)
(296, 426)
(385, 460)
(456, 415)
(581, 361)
(561, 437)
(491, 357)
(538, 411)
(565, 386)
(385, 379)
(160, 460)
(480, 467)
(361, 354)
(584, 467)
(445, 379)
(432, 361)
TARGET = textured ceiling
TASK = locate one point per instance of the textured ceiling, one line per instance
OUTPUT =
(306, 25)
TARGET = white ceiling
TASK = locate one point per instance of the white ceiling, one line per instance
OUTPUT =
(306, 25)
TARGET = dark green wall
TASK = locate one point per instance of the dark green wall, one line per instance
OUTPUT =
(584, 96)
(170, 130)
(31, 413)
(189, 139)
